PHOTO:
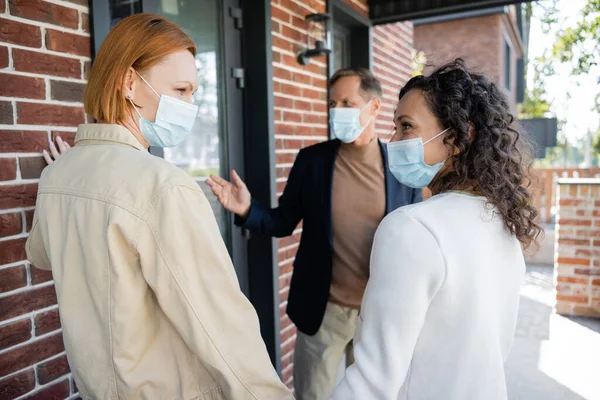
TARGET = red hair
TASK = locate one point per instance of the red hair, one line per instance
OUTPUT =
(138, 41)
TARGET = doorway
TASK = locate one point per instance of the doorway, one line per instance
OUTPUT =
(216, 143)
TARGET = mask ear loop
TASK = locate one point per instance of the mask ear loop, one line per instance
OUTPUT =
(134, 107)
(391, 135)
(436, 136)
(146, 82)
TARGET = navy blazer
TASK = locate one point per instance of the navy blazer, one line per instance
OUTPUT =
(307, 198)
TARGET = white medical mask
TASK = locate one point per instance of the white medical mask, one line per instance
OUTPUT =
(406, 161)
(345, 123)
(173, 123)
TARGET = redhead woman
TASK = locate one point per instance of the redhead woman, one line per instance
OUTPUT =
(149, 301)
(440, 309)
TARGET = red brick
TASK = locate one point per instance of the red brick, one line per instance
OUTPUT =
(12, 278)
(313, 94)
(291, 117)
(17, 385)
(45, 12)
(32, 353)
(588, 233)
(573, 261)
(285, 158)
(293, 34)
(596, 282)
(278, 13)
(6, 113)
(85, 21)
(315, 119)
(4, 60)
(40, 275)
(10, 224)
(22, 86)
(8, 172)
(15, 333)
(67, 91)
(572, 299)
(26, 302)
(570, 279)
(573, 242)
(49, 114)
(23, 141)
(284, 128)
(12, 250)
(19, 33)
(291, 90)
(69, 43)
(587, 271)
(31, 167)
(16, 196)
(47, 322)
(283, 102)
(302, 78)
(575, 222)
(46, 64)
(282, 44)
(52, 370)
(58, 391)
(2, 6)
(570, 202)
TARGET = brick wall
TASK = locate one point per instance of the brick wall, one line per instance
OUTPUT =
(44, 56)
(301, 113)
(475, 39)
(577, 256)
(392, 45)
(479, 40)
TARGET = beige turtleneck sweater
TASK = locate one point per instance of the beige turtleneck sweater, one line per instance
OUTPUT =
(358, 206)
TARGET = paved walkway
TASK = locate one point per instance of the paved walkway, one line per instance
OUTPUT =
(553, 357)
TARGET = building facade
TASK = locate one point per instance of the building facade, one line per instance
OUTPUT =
(490, 40)
(258, 107)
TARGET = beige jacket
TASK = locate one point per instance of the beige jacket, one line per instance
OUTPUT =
(149, 301)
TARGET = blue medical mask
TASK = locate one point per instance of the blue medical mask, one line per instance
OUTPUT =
(406, 161)
(173, 123)
(345, 123)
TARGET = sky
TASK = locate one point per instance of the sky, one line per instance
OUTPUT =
(576, 111)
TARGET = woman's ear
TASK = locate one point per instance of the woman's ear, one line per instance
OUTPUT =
(471, 132)
(129, 83)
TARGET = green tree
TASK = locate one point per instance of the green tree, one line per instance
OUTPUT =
(535, 104)
(580, 44)
(596, 144)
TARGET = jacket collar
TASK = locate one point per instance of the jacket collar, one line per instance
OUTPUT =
(107, 133)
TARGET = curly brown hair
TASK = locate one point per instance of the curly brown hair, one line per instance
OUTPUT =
(496, 162)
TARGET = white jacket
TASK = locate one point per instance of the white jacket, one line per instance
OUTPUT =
(440, 309)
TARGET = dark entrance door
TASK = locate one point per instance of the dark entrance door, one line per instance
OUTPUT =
(216, 142)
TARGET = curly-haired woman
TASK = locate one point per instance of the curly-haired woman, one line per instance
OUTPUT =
(440, 309)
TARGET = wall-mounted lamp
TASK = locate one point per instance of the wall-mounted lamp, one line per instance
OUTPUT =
(317, 27)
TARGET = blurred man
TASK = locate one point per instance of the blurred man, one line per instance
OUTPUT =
(341, 190)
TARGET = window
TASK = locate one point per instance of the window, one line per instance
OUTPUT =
(341, 48)
(507, 65)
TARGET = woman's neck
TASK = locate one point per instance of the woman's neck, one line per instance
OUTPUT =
(132, 126)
